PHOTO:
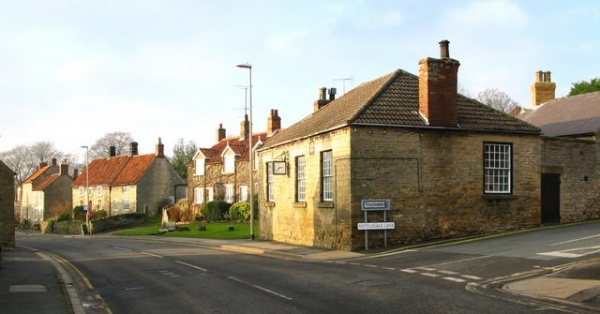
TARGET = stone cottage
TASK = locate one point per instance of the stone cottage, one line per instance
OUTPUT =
(446, 165)
(46, 193)
(221, 171)
(570, 151)
(7, 209)
(128, 183)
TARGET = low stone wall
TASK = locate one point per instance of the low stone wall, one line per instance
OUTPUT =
(117, 222)
(61, 227)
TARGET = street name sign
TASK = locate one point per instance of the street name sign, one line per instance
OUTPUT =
(376, 225)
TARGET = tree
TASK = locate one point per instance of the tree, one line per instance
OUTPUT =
(496, 99)
(182, 156)
(101, 149)
(584, 87)
(21, 161)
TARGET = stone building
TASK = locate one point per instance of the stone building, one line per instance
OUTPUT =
(221, 171)
(128, 183)
(570, 151)
(46, 193)
(7, 210)
(448, 165)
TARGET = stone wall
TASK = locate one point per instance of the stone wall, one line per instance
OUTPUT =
(7, 206)
(576, 161)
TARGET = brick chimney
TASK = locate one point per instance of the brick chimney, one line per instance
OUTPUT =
(42, 165)
(220, 132)
(438, 82)
(133, 148)
(160, 149)
(64, 169)
(543, 90)
(244, 128)
(54, 161)
(322, 101)
(273, 122)
(75, 173)
(112, 151)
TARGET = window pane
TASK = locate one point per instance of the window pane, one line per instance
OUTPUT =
(300, 179)
(327, 176)
(497, 168)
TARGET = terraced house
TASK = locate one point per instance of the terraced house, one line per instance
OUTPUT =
(446, 165)
(221, 171)
(128, 183)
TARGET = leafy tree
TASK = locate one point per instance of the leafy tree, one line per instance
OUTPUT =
(584, 87)
(101, 149)
(496, 99)
(182, 156)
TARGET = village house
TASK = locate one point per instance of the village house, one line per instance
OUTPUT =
(221, 171)
(46, 193)
(128, 183)
(445, 165)
(570, 151)
(7, 210)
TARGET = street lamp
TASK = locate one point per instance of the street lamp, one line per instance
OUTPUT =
(251, 161)
(87, 189)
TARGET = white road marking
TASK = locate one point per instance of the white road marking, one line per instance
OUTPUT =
(369, 265)
(430, 275)
(426, 268)
(146, 253)
(575, 240)
(389, 268)
(408, 270)
(447, 272)
(573, 253)
(454, 279)
(190, 265)
(261, 288)
(471, 277)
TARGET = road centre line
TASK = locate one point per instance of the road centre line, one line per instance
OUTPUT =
(146, 253)
(447, 272)
(454, 279)
(389, 268)
(190, 265)
(459, 261)
(260, 288)
(426, 268)
(471, 277)
(430, 275)
(408, 270)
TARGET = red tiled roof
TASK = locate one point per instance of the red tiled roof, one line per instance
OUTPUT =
(238, 145)
(46, 182)
(36, 174)
(119, 170)
(569, 116)
(393, 100)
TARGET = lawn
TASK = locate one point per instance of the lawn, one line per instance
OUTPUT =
(214, 230)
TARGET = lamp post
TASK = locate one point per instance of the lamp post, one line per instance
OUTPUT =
(87, 189)
(251, 160)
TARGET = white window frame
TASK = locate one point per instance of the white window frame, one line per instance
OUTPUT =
(229, 163)
(270, 183)
(497, 168)
(99, 190)
(199, 167)
(210, 194)
(125, 205)
(229, 193)
(327, 175)
(243, 193)
(198, 195)
(81, 191)
(115, 205)
(301, 179)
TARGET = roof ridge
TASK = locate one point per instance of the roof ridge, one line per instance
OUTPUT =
(392, 77)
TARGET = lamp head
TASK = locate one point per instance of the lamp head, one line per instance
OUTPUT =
(245, 66)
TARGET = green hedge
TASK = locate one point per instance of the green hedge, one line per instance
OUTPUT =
(215, 210)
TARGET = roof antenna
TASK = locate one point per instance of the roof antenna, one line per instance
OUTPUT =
(344, 82)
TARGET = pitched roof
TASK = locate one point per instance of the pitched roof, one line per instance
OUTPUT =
(393, 100)
(236, 143)
(36, 174)
(119, 170)
(568, 116)
(46, 182)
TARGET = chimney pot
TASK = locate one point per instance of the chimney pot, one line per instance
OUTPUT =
(444, 49)
(134, 148)
(220, 132)
(332, 92)
(112, 151)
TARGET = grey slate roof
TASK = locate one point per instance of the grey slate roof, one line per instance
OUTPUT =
(568, 117)
(393, 100)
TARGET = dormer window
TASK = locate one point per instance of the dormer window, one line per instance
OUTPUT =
(199, 167)
(229, 163)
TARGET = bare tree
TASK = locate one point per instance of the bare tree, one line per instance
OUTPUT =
(101, 149)
(43, 151)
(496, 99)
(21, 161)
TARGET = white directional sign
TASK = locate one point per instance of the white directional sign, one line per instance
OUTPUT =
(375, 204)
(376, 225)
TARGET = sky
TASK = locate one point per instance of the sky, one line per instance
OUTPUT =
(72, 71)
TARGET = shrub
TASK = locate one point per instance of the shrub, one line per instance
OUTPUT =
(64, 217)
(216, 210)
(239, 211)
(79, 213)
(101, 213)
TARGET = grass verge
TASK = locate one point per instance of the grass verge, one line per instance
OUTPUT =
(214, 230)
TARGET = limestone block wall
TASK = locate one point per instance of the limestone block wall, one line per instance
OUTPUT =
(156, 186)
(576, 161)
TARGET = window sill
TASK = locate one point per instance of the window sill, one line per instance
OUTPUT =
(299, 204)
(325, 205)
(270, 204)
(497, 197)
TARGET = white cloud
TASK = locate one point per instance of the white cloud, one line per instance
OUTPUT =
(75, 72)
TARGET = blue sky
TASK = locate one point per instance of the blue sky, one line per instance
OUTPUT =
(74, 70)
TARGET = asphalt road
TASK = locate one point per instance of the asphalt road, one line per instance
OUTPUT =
(127, 276)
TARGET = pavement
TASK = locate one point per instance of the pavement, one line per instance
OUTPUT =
(37, 282)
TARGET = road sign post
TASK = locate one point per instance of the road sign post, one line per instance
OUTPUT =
(383, 205)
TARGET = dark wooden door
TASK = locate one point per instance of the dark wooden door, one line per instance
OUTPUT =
(550, 198)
